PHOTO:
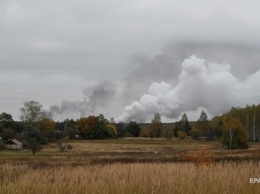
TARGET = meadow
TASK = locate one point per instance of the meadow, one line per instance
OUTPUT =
(131, 166)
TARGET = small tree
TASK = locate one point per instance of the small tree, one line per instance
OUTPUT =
(182, 125)
(202, 125)
(145, 132)
(195, 133)
(18, 127)
(121, 129)
(156, 126)
(34, 145)
(34, 139)
(111, 131)
(86, 125)
(46, 125)
(6, 119)
(32, 112)
(133, 128)
(235, 135)
(216, 124)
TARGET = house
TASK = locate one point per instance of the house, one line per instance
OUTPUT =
(13, 144)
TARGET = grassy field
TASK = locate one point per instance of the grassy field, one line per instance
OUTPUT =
(131, 166)
(131, 150)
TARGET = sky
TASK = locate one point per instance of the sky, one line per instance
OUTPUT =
(129, 59)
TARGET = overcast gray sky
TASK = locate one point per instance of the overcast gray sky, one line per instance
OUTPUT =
(81, 57)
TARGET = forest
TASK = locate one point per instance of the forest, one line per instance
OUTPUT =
(234, 128)
(96, 155)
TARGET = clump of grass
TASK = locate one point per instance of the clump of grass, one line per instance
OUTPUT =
(129, 178)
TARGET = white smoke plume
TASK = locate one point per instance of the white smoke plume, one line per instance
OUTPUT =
(211, 87)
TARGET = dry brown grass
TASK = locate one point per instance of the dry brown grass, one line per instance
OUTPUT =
(141, 150)
(130, 178)
(131, 166)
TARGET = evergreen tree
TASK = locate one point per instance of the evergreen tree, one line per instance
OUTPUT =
(182, 125)
(202, 125)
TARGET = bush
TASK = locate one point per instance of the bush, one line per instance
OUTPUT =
(182, 134)
(195, 134)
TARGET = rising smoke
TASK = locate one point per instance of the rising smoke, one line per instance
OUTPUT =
(95, 97)
(143, 70)
(174, 86)
(211, 87)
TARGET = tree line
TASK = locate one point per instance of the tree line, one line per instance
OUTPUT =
(233, 128)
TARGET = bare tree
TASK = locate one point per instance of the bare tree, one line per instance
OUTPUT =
(32, 112)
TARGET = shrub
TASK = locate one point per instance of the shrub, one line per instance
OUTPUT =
(182, 134)
(195, 133)
(198, 157)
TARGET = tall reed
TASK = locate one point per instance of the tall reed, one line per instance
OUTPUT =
(130, 178)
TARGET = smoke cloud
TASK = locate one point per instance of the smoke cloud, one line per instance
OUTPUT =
(144, 69)
(95, 97)
(200, 85)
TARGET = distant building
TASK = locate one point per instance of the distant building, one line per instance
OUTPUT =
(13, 144)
